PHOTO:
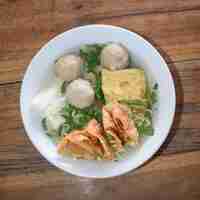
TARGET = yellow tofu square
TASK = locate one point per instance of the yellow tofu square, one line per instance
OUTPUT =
(128, 84)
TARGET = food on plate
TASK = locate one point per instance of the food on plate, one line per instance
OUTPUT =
(114, 141)
(52, 119)
(115, 56)
(116, 118)
(80, 93)
(104, 104)
(123, 84)
(50, 95)
(90, 77)
(95, 130)
(68, 67)
(90, 141)
(79, 146)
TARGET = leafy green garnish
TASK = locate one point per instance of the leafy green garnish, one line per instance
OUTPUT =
(76, 118)
(60, 131)
(134, 104)
(143, 122)
(154, 94)
(44, 123)
(97, 113)
(155, 87)
(108, 136)
(63, 87)
(91, 56)
(129, 60)
(66, 128)
(55, 135)
(141, 110)
(98, 89)
(145, 125)
(151, 94)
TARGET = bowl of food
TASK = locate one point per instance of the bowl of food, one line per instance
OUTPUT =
(97, 101)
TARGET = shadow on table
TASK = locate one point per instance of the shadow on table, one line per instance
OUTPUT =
(179, 100)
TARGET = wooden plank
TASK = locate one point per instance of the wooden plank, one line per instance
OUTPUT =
(174, 177)
(174, 34)
(13, 12)
(26, 25)
(177, 42)
(17, 154)
(185, 74)
(181, 140)
(16, 52)
(13, 66)
(92, 10)
(186, 78)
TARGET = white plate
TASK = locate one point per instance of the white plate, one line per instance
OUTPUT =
(40, 73)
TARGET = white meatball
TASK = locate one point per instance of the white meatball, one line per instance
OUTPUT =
(68, 67)
(80, 93)
(115, 56)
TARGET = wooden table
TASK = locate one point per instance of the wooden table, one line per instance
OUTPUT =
(173, 26)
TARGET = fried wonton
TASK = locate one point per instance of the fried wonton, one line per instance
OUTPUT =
(117, 120)
(87, 143)
(95, 131)
(79, 145)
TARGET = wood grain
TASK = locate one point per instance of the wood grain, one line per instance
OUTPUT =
(177, 42)
(13, 12)
(187, 84)
(176, 34)
(173, 26)
(174, 177)
(86, 9)
(17, 154)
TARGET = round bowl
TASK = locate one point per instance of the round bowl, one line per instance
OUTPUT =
(40, 73)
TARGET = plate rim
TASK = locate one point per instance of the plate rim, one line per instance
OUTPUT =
(156, 146)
